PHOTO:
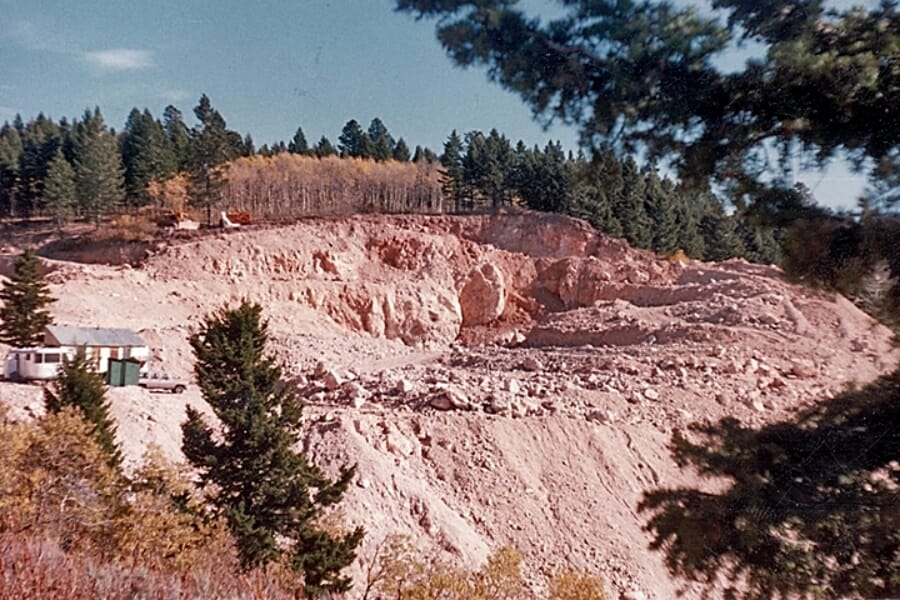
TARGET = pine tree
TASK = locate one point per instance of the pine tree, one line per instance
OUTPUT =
(10, 154)
(720, 241)
(354, 142)
(298, 144)
(382, 143)
(248, 147)
(629, 208)
(179, 136)
(543, 179)
(80, 386)
(760, 243)
(99, 176)
(687, 217)
(266, 490)
(488, 167)
(424, 154)
(597, 184)
(236, 144)
(452, 174)
(324, 148)
(40, 140)
(59, 190)
(211, 148)
(24, 299)
(147, 155)
(400, 151)
(660, 209)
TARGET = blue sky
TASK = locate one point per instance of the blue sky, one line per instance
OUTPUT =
(268, 66)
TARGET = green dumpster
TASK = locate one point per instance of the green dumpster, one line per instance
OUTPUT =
(123, 372)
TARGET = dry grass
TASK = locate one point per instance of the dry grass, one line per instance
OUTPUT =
(34, 568)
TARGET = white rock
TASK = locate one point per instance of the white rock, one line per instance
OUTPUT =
(447, 399)
(404, 386)
(518, 409)
(512, 385)
(400, 445)
(651, 394)
(803, 369)
(499, 406)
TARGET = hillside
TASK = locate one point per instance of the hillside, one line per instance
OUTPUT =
(508, 378)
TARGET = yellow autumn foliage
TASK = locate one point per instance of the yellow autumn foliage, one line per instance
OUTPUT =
(55, 482)
(153, 532)
(570, 584)
(399, 571)
(286, 186)
(171, 194)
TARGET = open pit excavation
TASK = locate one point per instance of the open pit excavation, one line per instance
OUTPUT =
(499, 379)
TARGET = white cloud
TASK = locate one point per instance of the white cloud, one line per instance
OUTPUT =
(120, 59)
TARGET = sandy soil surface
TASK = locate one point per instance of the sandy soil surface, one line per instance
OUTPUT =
(498, 379)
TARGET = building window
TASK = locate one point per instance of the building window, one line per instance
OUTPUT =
(51, 358)
(38, 358)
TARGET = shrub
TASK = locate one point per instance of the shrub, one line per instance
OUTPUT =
(397, 570)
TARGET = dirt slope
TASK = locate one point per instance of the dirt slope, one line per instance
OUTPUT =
(498, 379)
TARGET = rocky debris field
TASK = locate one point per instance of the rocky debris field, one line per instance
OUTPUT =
(499, 379)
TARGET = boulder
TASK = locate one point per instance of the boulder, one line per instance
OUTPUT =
(512, 386)
(499, 406)
(483, 297)
(320, 369)
(331, 380)
(355, 393)
(404, 386)
(448, 399)
(651, 394)
(399, 444)
(530, 363)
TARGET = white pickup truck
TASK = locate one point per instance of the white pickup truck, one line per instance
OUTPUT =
(162, 382)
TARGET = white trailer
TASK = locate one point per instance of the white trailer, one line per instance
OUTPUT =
(38, 363)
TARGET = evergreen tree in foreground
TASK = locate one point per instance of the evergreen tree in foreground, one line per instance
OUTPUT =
(271, 497)
(80, 386)
(24, 298)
